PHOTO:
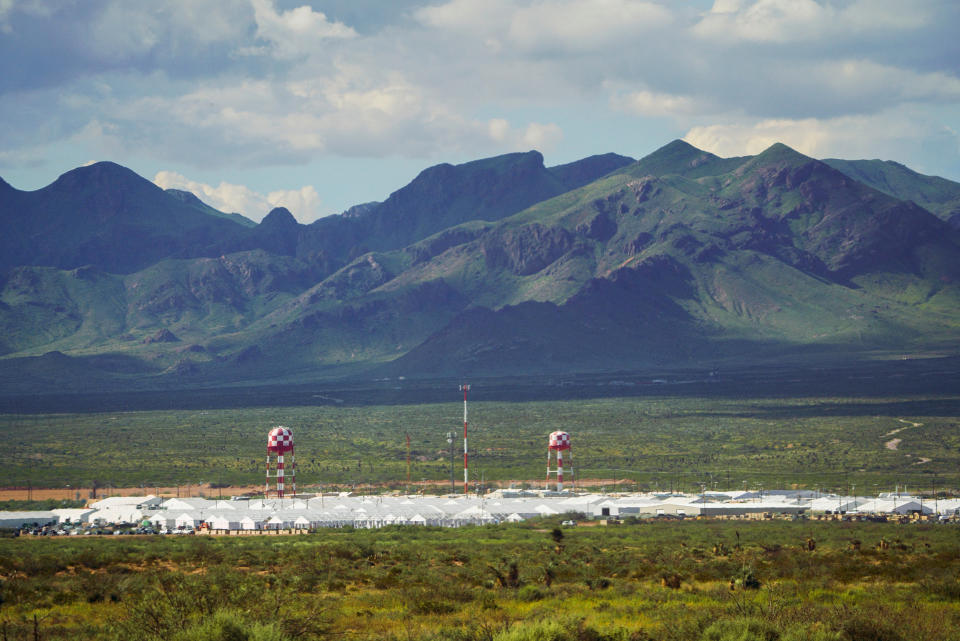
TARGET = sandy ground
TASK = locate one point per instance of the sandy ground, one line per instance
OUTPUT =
(893, 443)
(900, 429)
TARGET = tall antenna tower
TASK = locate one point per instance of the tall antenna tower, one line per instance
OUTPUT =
(466, 482)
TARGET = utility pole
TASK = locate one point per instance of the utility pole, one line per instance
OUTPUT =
(450, 436)
(407, 434)
(466, 481)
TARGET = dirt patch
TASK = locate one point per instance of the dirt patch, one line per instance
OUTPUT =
(70, 493)
(893, 443)
(900, 429)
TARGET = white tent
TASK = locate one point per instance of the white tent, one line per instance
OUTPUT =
(162, 520)
(224, 522)
(302, 523)
(144, 502)
(187, 520)
(949, 507)
(20, 519)
(73, 515)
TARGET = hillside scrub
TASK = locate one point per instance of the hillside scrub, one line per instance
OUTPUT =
(736, 580)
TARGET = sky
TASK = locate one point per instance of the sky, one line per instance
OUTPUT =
(321, 105)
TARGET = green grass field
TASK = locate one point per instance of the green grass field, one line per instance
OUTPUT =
(671, 581)
(651, 442)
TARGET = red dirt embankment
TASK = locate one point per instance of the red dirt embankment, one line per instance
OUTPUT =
(60, 493)
(187, 491)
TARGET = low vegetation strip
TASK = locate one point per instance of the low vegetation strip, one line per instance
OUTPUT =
(676, 581)
(655, 443)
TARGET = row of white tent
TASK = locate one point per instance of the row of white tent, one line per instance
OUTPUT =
(451, 511)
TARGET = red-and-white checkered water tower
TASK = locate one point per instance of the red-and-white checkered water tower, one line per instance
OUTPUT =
(559, 442)
(279, 442)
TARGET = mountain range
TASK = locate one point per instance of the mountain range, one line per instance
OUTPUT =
(499, 266)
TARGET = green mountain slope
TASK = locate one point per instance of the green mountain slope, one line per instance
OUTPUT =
(446, 195)
(191, 199)
(938, 195)
(504, 266)
(780, 253)
(106, 216)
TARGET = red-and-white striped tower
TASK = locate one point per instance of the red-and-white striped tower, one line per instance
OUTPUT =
(466, 482)
(559, 441)
(280, 441)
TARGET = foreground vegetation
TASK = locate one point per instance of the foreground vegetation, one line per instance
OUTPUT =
(862, 444)
(671, 580)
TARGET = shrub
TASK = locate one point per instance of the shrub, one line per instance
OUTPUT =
(672, 581)
(946, 588)
(531, 593)
(742, 629)
(228, 626)
(863, 628)
(813, 633)
(746, 578)
(538, 631)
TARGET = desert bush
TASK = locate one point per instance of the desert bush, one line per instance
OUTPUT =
(862, 627)
(532, 593)
(740, 629)
(811, 633)
(746, 578)
(566, 629)
(229, 626)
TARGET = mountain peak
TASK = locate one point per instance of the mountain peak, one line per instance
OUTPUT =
(677, 157)
(679, 146)
(279, 216)
(779, 152)
(104, 174)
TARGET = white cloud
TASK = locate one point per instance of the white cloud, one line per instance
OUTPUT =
(535, 135)
(788, 21)
(467, 15)
(585, 24)
(541, 136)
(162, 33)
(809, 136)
(885, 83)
(264, 83)
(33, 7)
(297, 32)
(648, 103)
(907, 134)
(560, 25)
(303, 203)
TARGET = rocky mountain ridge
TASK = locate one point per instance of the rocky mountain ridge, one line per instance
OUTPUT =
(500, 265)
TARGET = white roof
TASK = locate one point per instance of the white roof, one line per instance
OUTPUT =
(188, 504)
(123, 501)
